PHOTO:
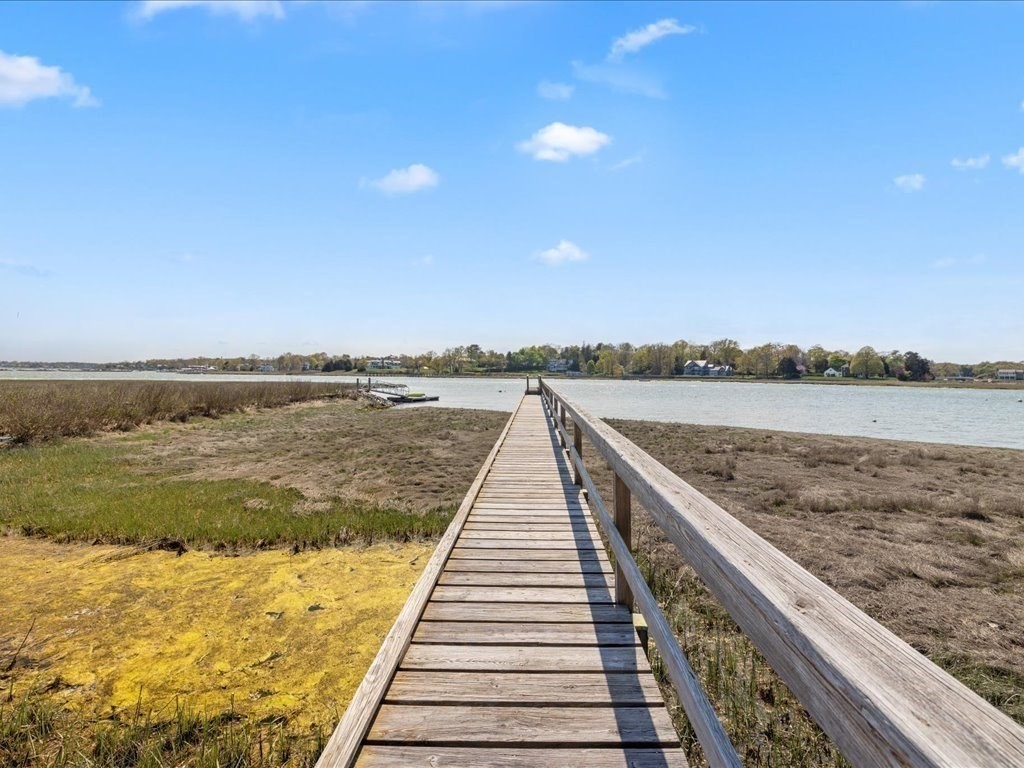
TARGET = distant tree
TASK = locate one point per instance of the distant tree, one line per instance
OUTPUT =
(867, 363)
(591, 367)
(787, 368)
(724, 352)
(817, 358)
(838, 359)
(917, 367)
(607, 362)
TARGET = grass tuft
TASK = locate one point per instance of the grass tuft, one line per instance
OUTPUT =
(35, 730)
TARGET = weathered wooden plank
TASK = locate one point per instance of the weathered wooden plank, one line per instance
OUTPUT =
(518, 756)
(505, 633)
(566, 613)
(570, 546)
(581, 535)
(524, 688)
(343, 745)
(528, 524)
(522, 595)
(553, 510)
(881, 701)
(479, 658)
(457, 565)
(536, 726)
(508, 553)
(532, 579)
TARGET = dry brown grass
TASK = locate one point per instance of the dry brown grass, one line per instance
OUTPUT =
(927, 539)
(410, 459)
(42, 410)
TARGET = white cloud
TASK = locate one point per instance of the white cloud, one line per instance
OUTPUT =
(971, 261)
(618, 78)
(1015, 160)
(21, 268)
(246, 10)
(403, 181)
(558, 142)
(631, 160)
(563, 253)
(554, 91)
(633, 41)
(911, 182)
(970, 163)
(24, 79)
(1022, 105)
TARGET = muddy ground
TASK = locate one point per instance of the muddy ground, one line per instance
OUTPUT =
(927, 539)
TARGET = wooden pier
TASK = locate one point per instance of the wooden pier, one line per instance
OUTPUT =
(517, 645)
(521, 656)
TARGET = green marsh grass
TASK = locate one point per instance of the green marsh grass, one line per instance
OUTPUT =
(88, 491)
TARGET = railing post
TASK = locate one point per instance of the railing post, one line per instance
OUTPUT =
(623, 522)
(561, 435)
(577, 443)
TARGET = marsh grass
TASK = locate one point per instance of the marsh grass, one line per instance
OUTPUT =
(925, 539)
(88, 491)
(42, 410)
(35, 730)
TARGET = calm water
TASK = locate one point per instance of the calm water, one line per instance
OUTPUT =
(963, 416)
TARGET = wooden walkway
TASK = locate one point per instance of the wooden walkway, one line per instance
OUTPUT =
(521, 656)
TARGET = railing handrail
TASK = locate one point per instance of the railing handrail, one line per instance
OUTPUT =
(882, 702)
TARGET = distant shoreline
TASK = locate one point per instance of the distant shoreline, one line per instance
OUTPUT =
(813, 380)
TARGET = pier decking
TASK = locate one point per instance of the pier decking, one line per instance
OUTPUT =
(521, 655)
(517, 647)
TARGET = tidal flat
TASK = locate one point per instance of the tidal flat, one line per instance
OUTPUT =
(190, 591)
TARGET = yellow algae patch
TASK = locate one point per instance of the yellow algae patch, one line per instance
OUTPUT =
(272, 632)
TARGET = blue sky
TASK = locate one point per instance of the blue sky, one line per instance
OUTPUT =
(181, 178)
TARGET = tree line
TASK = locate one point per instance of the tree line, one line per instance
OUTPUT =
(772, 360)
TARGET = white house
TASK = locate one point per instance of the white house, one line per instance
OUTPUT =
(1010, 374)
(833, 373)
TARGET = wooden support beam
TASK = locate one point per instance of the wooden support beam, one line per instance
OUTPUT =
(624, 525)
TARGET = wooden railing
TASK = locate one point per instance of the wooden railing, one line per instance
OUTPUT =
(882, 702)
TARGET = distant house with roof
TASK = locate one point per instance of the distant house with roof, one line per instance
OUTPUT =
(1010, 374)
(832, 373)
(705, 368)
(389, 363)
(558, 366)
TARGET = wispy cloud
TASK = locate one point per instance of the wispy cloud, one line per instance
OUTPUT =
(631, 160)
(554, 91)
(949, 262)
(246, 10)
(24, 79)
(971, 163)
(565, 252)
(403, 181)
(638, 39)
(22, 268)
(1016, 160)
(425, 261)
(911, 182)
(558, 142)
(619, 79)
